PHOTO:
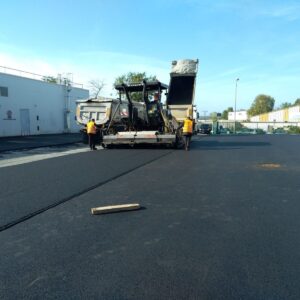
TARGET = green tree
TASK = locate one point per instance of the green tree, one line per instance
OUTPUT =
(285, 105)
(134, 77)
(225, 113)
(261, 104)
(297, 102)
(50, 79)
(294, 129)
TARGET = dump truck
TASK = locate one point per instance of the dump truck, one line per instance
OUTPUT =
(125, 121)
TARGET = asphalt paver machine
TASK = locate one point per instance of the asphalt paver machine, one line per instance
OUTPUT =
(143, 122)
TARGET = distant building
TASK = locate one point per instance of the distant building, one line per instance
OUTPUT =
(30, 106)
(241, 115)
(290, 114)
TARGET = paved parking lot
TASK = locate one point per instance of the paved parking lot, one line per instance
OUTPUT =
(34, 141)
(218, 222)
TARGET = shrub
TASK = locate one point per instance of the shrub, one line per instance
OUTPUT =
(294, 129)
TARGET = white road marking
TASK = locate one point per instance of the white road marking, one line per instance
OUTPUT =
(23, 157)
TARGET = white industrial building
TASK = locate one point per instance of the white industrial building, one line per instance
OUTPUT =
(290, 114)
(239, 116)
(281, 118)
(33, 106)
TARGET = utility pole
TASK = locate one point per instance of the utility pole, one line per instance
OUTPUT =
(236, 81)
(204, 112)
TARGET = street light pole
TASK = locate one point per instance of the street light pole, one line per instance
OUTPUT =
(236, 81)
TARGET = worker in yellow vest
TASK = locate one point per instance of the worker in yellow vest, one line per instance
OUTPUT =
(91, 131)
(187, 132)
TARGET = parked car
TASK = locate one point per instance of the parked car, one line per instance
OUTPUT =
(204, 128)
(224, 131)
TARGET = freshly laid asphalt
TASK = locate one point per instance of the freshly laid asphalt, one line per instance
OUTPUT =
(34, 141)
(31, 188)
(218, 222)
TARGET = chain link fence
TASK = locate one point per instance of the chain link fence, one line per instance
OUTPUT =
(229, 127)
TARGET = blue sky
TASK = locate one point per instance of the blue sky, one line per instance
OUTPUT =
(256, 41)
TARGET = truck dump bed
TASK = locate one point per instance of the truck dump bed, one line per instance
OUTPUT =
(93, 109)
(181, 90)
(180, 98)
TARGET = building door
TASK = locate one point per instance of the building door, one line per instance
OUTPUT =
(25, 121)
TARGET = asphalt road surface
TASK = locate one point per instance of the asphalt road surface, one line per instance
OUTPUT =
(218, 222)
(34, 141)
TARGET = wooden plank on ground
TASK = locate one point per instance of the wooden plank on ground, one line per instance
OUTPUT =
(114, 208)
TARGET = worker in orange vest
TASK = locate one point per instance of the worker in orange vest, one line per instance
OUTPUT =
(187, 132)
(91, 131)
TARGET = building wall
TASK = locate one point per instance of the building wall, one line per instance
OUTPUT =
(291, 114)
(294, 113)
(278, 116)
(240, 115)
(36, 107)
(269, 126)
(254, 119)
(264, 118)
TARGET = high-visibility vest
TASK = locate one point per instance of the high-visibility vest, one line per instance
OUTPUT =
(187, 126)
(91, 128)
